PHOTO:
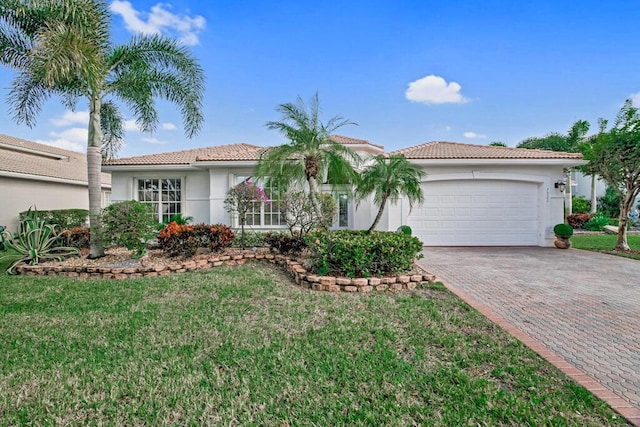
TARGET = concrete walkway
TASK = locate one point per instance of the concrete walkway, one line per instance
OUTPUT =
(578, 309)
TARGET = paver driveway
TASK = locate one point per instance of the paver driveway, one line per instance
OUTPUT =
(583, 306)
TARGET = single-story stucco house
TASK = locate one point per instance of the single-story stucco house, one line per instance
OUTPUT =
(33, 174)
(474, 195)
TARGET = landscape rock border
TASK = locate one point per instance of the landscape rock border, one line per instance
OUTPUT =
(300, 275)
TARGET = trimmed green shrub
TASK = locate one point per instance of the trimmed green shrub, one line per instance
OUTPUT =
(580, 204)
(596, 223)
(578, 220)
(563, 230)
(35, 241)
(184, 240)
(61, 218)
(284, 243)
(405, 229)
(251, 239)
(130, 224)
(358, 254)
(76, 237)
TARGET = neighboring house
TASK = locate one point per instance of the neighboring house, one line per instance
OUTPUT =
(474, 195)
(46, 177)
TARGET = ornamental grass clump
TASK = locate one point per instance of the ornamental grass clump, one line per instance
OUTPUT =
(35, 241)
(358, 254)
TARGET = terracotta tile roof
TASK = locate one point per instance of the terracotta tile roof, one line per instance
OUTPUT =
(239, 151)
(31, 158)
(229, 152)
(456, 150)
(345, 140)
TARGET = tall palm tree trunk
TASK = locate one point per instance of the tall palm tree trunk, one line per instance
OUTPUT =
(379, 216)
(313, 196)
(94, 178)
(594, 194)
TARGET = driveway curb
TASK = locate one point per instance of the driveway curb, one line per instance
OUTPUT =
(619, 404)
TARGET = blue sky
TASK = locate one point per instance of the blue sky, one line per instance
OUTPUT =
(407, 72)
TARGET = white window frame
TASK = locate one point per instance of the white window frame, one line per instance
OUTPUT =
(160, 212)
(346, 210)
(264, 211)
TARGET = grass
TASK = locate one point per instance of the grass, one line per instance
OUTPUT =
(606, 243)
(245, 347)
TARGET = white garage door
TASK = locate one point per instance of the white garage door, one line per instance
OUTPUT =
(477, 213)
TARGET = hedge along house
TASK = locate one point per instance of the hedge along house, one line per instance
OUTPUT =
(474, 195)
(33, 174)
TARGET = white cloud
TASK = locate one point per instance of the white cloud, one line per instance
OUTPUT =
(160, 21)
(435, 90)
(447, 128)
(635, 98)
(153, 141)
(168, 126)
(473, 135)
(130, 126)
(71, 118)
(74, 139)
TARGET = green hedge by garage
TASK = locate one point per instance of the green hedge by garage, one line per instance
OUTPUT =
(63, 218)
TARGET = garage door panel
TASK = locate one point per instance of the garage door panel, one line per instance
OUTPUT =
(477, 213)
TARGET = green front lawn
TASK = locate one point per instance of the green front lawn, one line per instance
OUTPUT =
(606, 242)
(246, 347)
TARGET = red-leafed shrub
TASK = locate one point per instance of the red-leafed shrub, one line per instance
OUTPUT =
(76, 237)
(184, 240)
(578, 220)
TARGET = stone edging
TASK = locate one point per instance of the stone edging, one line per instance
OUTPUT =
(300, 275)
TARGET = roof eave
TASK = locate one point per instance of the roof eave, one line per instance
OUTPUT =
(535, 162)
(43, 178)
(117, 168)
(224, 163)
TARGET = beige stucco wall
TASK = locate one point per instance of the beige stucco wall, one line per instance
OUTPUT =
(18, 195)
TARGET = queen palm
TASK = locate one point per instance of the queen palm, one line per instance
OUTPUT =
(62, 47)
(311, 154)
(390, 178)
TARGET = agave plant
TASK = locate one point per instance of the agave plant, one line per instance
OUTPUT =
(34, 242)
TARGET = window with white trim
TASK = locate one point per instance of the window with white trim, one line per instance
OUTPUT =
(164, 194)
(343, 210)
(264, 214)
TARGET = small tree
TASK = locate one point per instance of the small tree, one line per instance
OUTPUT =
(311, 155)
(299, 215)
(391, 178)
(615, 156)
(130, 224)
(241, 199)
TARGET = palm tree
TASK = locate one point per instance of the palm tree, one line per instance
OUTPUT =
(310, 154)
(391, 178)
(62, 47)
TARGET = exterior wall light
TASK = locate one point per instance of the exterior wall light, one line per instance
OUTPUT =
(560, 185)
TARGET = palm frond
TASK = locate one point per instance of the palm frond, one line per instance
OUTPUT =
(155, 66)
(111, 123)
(26, 97)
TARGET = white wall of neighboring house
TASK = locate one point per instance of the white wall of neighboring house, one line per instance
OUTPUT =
(582, 185)
(18, 195)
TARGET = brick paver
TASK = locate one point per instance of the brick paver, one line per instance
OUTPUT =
(578, 309)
